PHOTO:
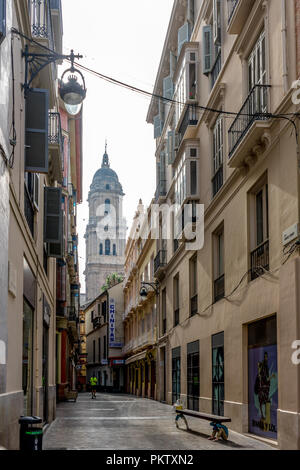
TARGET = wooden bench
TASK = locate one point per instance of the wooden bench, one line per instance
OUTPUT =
(71, 394)
(181, 414)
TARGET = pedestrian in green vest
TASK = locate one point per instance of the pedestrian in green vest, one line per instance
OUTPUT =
(93, 383)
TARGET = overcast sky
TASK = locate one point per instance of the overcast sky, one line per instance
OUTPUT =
(122, 39)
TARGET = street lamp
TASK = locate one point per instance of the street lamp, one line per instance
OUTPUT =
(72, 92)
(153, 285)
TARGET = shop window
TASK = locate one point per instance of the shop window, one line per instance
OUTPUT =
(193, 382)
(175, 375)
(218, 374)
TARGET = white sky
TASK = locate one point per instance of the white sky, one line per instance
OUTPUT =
(124, 40)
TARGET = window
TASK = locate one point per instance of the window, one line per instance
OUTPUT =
(107, 247)
(176, 299)
(259, 231)
(101, 249)
(257, 73)
(2, 20)
(193, 383)
(104, 311)
(27, 365)
(175, 374)
(164, 312)
(114, 250)
(218, 151)
(107, 187)
(218, 374)
(99, 309)
(99, 350)
(193, 286)
(107, 206)
(94, 351)
(92, 316)
(219, 277)
(104, 348)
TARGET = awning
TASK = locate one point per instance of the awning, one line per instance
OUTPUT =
(135, 358)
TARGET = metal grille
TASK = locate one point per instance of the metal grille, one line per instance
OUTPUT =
(217, 181)
(28, 210)
(254, 109)
(160, 260)
(260, 260)
(219, 288)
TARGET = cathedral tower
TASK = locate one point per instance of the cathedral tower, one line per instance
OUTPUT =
(106, 231)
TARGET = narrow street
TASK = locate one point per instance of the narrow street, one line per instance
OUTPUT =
(122, 422)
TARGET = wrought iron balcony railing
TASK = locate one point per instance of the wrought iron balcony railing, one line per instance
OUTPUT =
(161, 190)
(217, 181)
(176, 317)
(54, 130)
(219, 288)
(254, 109)
(260, 260)
(190, 118)
(160, 260)
(72, 315)
(216, 69)
(231, 7)
(194, 305)
(28, 210)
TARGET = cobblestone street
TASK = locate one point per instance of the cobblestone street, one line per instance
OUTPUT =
(123, 422)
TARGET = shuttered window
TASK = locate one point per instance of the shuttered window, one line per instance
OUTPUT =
(52, 215)
(217, 22)
(168, 88)
(158, 125)
(171, 147)
(184, 34)
(2, 20)
(207, 49)
(36, 136)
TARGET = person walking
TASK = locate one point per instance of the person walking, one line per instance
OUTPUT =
(93, 383)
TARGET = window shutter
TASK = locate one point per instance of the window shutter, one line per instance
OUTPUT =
(162, 166)
(171, 147)
(2, 20)
(157, 126)
(52, 215)
(184, 34)
(36, 134)
(207, 47)
(217, 22)
(168, 88)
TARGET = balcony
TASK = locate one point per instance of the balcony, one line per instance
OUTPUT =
(246, 134)
(176, 317)
(260, 260)
(194, 305)
(96, 322)
(219, 288)
(217, 181)
(160, 263)
(216, 69)
(72, 315)
(29, 210)
(190, 120)
(55, 141)
(42, 32)
(161, 190)
(238, 12)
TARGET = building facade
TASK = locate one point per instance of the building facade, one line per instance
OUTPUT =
(140, 318)
(105, 339)
(228, 313)
(67, 266)
(30, 176)
(106, 230)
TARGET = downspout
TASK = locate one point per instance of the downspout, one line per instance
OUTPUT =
(284, 46)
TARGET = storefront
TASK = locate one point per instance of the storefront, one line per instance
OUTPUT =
(263, 378)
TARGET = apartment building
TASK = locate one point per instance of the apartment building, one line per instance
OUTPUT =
(69, 139)
(140, 318)
(228, 313)
(34, 209)
(105, 339)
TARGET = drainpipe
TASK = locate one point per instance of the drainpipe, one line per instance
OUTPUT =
(284, 46)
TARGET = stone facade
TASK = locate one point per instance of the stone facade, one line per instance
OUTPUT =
(105, 232)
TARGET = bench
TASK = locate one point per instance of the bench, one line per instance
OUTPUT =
(181, 414)
(71, 394)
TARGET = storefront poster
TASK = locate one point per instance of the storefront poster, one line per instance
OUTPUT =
(263, 391)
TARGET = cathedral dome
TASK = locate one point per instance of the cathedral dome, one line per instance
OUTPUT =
(106, 179)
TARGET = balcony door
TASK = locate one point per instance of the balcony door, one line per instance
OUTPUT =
(257, 76)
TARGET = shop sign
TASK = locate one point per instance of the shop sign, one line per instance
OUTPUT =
(111, 321)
